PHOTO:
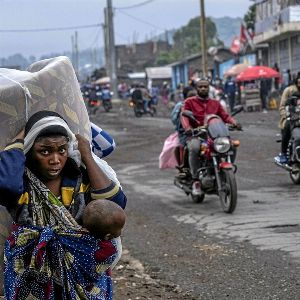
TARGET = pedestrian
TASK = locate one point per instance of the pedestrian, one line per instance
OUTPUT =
(154, 94)
(178, 96)
(46, 183)
(230, 90)
(277, 79)
(264, 92)
(165, 93)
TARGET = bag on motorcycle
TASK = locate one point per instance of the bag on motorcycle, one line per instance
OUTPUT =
(49, 84)
(167, 158)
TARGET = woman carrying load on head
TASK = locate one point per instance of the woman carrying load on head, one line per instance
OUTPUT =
(45, 184)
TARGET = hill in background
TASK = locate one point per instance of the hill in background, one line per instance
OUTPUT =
(227, 28)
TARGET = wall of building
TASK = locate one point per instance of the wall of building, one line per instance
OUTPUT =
(134, 58)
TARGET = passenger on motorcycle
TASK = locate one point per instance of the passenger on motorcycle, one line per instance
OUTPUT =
(136, 94)
(180, 153)
(200, 105)
(284, 125)
(146, 97)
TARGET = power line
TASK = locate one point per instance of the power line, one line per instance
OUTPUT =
(95, 41)
(142, 21)
(136, 5)
(50, 29)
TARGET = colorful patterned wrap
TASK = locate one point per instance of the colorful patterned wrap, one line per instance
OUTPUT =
(55, 258)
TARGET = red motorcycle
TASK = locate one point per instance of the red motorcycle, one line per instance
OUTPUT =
(217, 154)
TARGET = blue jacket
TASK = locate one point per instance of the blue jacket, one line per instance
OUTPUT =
(230, 87)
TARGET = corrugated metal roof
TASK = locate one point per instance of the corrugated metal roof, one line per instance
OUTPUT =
(159, 72)
(137, 75)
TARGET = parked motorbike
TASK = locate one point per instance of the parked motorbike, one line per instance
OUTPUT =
(293, 116)
(217, 154)
(139, 109)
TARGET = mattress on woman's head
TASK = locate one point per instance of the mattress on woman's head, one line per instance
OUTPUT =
(49, 84)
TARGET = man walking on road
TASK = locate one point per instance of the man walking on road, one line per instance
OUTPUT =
(230, 89)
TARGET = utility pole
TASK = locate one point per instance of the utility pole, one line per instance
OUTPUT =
(111, 48)
(106, 42)
(203, 38)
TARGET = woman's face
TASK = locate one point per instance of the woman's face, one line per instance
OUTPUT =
(49, 156)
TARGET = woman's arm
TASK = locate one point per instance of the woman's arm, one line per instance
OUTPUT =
(12, 165)
(101, 187)
(98, 179)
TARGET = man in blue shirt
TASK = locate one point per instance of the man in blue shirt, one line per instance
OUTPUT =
(230, 89)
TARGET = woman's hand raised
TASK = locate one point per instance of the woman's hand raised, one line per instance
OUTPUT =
(84, 148)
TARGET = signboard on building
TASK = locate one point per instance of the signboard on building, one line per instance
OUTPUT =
(249, 59)
(225, 66)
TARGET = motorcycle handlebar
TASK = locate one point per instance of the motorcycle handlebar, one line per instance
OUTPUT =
(237, 127)
(199, 131)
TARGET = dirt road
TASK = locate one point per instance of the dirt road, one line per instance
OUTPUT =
(175, 249)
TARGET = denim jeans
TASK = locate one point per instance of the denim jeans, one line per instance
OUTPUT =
(194, 159)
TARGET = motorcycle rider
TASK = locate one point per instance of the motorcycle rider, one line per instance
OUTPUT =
(284, 125)
(200, 105)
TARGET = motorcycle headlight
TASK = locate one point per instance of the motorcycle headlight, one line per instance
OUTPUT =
(222, 144)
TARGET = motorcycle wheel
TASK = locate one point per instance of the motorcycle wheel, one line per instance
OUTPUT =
(198, 198)
(106, 106)
(295, 177)
(153, 108)
(228, 196)
(138, 113)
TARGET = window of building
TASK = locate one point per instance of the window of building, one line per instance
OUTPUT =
(283, 44)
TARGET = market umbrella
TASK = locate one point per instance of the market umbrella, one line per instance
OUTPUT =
(257, 72)
(236, 70)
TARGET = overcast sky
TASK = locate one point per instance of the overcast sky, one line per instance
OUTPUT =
(130, 23)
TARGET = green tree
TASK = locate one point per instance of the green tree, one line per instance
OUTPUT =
(187, 39)
(250, 16)
(165, 58)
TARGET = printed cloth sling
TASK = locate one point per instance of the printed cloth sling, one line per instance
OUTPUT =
(55, 258)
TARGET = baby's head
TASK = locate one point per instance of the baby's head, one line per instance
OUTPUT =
(104, 219)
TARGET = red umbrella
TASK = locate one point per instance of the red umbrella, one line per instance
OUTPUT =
(257, 72)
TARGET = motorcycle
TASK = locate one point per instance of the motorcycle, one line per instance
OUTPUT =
(217, 153)
(293, 116)
(93, 106)
(105, 95)
(139, 109)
